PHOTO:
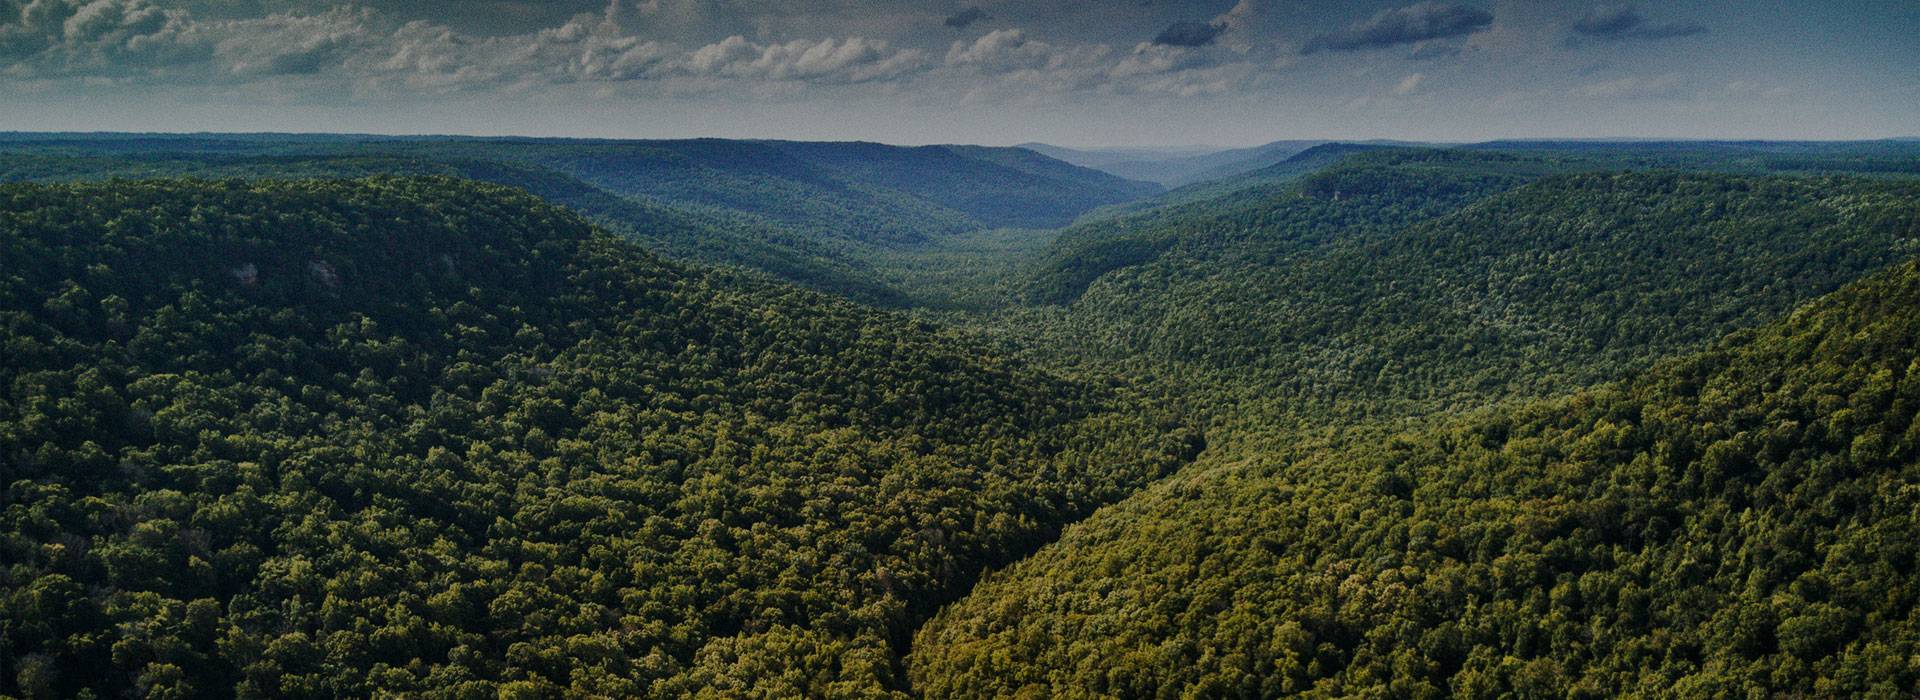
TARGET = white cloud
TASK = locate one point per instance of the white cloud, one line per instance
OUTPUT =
(52, 39)
(371, 50)
(849, 60)
(100, 38)
(1409, 84)
(1156, 59)
(292, 44)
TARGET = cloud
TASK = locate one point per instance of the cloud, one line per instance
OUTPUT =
(373, 53)
(1157, 59)
(1616, 22)
(1007, 62)
(422, 55)
(1404, 25)
(387, 49)
(292, 44)
(101, 38)
(1409, 84)
(1001, 49)
(1189, 34)
(849, 60)
(1433, 51)
(966, 17)
(1236, 20)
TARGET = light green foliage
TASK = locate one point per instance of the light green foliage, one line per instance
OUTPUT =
(1738, 523)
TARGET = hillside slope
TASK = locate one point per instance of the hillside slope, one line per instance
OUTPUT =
(1178, 167)
(1742, 522)
(819, 214)
(1400, 289)
(425, 436)
(1382, 189)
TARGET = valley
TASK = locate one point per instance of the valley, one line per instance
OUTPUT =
(463, 417)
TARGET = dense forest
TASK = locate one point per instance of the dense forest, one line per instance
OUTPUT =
(1407, 283)
(817, 214)
(1737, 523)
(451, 417)
(409, 436)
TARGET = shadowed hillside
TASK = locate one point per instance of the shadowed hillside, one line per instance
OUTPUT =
(350, 438)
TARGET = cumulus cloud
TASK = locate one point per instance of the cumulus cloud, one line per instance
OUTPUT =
(1615, 22)
(292, 44)
(1003, 49)
(1007, 61)
(1197, 34)
(373, 52)
(1189, 34)
(850, 60)
(372, 49)
(966, 17)
(1404, 25)
(422, 55)
(1007, 51)
(1155, 59)
(102, 38)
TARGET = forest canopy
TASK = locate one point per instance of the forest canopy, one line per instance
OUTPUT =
(1527, 419)
(426, 436)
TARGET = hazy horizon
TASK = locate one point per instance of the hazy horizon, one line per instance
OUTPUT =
(1169, 149)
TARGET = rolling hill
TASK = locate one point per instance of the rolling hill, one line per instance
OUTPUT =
(1180, 167)
(818, 214)
(1739, 521)
(1580, 419)
(1430, 280)
(428, 436)
(1407, 490)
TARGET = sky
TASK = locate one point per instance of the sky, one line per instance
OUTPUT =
(1070, 72)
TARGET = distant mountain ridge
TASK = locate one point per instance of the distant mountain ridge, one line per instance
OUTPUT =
(815, 213)
(1176, 168)
(1181, 167)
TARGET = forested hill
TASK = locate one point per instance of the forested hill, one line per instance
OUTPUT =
(863, 191)
(1744, 522)
(813, 213)
(1383, 286)
(1395, 422)
(1179, 167)
(431, 437)
(1383, 189)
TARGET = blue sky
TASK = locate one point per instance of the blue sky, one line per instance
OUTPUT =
(1076, 72)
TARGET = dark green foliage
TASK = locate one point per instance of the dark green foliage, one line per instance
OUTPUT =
(431, 437)
(819, 214)
(1739, 523)
(415, 436)
(1887, 157)
(1400, 289)
(1379, 191)
(684, 232)
(995, 187)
